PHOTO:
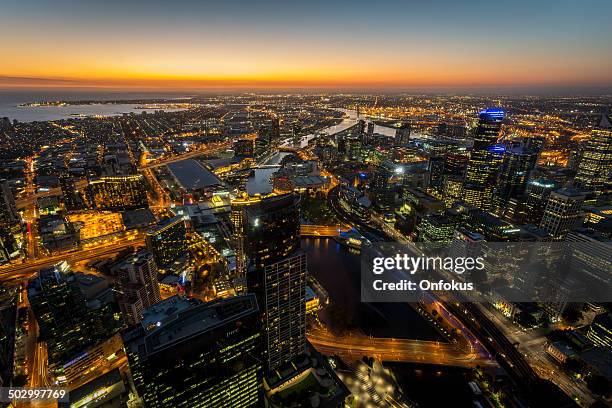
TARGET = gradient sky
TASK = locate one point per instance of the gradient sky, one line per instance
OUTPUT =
(311, 43)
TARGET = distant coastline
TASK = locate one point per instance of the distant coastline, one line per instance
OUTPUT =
(146, 102)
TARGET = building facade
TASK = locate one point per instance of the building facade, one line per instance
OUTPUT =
(204, 355)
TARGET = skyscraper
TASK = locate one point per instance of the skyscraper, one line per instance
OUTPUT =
(382, 187)
(186, 353)
(138, 285)
(485, 159)
(361, 126)
(402, 134)
(456, 162)
(595, 167)
(167, 240)
(537, 192)
(591, 256)
(517, 164)
(285, 310)
(452, 187)
(277, 274)
(563, 212)
(9, 247)
(271, 229)
(275, 129)
(118, 192)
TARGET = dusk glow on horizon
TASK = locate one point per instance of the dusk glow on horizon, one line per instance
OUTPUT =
(273, 44)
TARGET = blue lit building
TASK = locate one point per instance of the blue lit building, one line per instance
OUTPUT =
(485, 160)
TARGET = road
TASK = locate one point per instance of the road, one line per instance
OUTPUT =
(209, 149)
(532, 344)
(31, 197)
(355, 346)
(27, 269)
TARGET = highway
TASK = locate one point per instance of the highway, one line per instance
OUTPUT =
(27, 269)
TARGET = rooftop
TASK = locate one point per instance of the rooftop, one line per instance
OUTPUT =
(192, 175)
(176, 320)
(169, 307)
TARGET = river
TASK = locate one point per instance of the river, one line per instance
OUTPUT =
(337, 268)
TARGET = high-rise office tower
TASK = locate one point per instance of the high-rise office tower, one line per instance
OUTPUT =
(167, 240)
(264, 132)
(536, 196)
(244, 147)
(595, 167)
(517, 164)
(9, 225)
(186, 353)
(368, 137)
(456, 162)
(138, 286)
(485, 159)
(8, 210)
(118, 192)
(402, 134)
(277, 274)
(382, 187)
(452, 187)
(437, 228)
(562, 213)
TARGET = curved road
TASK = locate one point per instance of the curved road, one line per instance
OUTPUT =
(405, 350)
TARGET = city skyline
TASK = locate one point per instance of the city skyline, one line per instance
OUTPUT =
(206, 251)
(273, 45)
(334, 204)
